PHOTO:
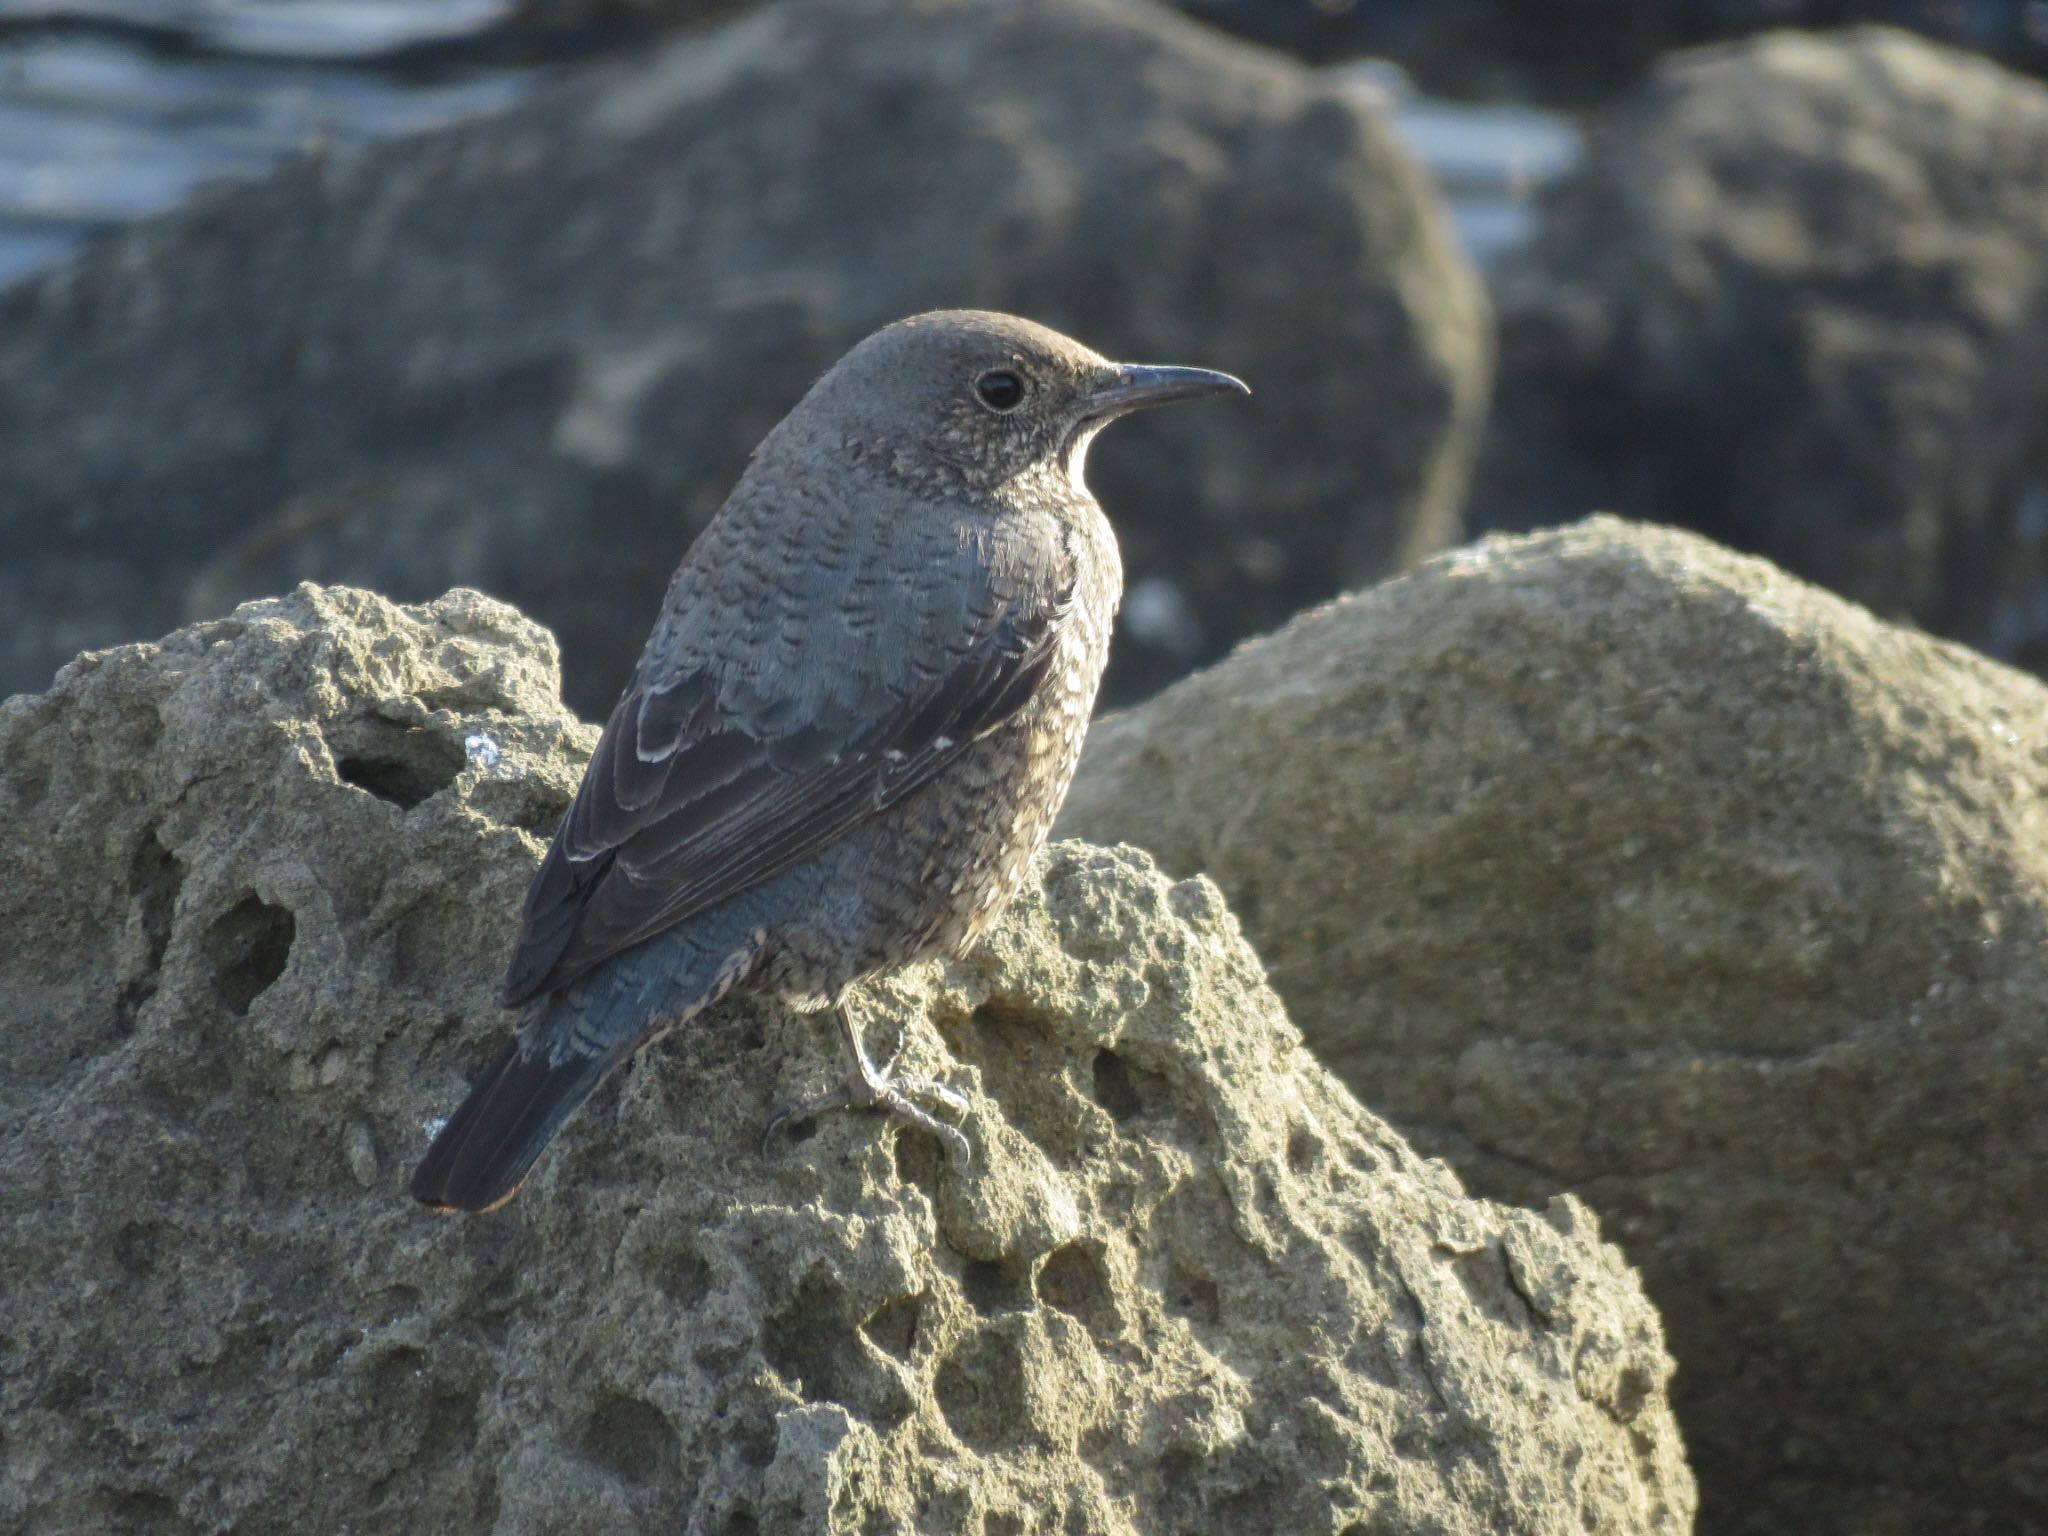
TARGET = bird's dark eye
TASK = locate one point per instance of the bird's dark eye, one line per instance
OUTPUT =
(999, 390)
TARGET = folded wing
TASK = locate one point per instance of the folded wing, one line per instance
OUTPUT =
(724, 772)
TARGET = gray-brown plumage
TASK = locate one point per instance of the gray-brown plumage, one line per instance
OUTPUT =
(851, 728)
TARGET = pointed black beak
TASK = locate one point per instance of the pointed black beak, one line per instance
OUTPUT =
(1138, 385)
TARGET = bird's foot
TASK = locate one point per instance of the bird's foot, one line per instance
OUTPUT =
(872, 1087)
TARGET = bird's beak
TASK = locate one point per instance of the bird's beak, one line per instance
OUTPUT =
(1138, 385)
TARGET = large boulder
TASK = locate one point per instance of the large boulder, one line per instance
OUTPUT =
(532, 353)
(1794, 298)
(1606, 860)
(1568, 51)
(256, 888)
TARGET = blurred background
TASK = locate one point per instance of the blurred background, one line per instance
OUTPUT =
(412, 293)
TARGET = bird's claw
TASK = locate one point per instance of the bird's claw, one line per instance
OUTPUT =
(905, 1098)
(873, 1087)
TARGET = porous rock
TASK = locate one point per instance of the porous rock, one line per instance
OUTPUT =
(530, 354)
(1607, 860)
(1188, 1284)
(1793, 298)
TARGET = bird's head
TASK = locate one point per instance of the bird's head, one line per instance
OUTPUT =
(977, 399)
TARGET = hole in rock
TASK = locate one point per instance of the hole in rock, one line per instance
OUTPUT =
(248, 947)
(755, 1441)
(630, 1439)
(982, 1392)
(684, 1277)
(993, 1285)
(1120, 1087)
(806, 1340)
(135, 1248)
(1304, 1148)
(1074, 1280)
(401, 763)
(893, 1327)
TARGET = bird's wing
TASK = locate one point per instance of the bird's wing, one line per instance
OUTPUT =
(777, 735)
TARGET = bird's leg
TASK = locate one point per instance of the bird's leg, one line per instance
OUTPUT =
(873, 1087)
(888, 1063)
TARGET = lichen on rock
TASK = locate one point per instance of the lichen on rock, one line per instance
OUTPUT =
(254, 897)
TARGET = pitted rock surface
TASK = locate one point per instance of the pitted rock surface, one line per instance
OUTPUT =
(254, 901)
(1610, 861)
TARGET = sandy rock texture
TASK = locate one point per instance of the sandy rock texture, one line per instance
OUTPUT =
(1607, 860)
(254, 901)
(1794, 298)
(531, 354)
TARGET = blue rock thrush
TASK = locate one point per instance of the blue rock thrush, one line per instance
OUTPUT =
(849, 733)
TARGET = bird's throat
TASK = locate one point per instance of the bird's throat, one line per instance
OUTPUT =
(1077, 455)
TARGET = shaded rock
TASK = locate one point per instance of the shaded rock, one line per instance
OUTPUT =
(1189, 1284)
(1577, 51)
(1606, 860)
(531, 353)
(1794, 298)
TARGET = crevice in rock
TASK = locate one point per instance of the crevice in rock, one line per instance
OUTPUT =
(154, 879)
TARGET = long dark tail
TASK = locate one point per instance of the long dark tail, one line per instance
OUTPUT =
(484, 1152)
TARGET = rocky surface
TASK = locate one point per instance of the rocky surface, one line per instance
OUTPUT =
(1575, 51)
(1794, 298)
(530, 354)
(253, 903)
(1606, 860)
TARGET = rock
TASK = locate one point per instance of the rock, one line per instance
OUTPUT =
(530, 354)
(1581, 51)
(254, 900)
(1793, 298)
(1607, 860)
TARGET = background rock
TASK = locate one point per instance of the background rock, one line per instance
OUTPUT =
(1606, 860)
(252, 909)
(1579, 51)
(531, 353)
(1795, 298)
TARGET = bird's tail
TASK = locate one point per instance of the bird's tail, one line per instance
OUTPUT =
(567, 1044)
(482, 1155)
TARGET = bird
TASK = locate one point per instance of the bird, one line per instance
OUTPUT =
(855, 718)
